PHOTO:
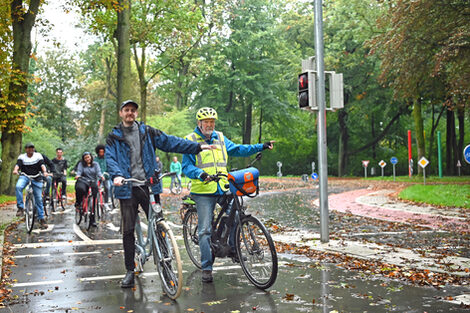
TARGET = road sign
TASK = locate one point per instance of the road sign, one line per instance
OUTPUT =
(314, 176)
(466, 154)
(382, 163)
(394, 160)
(423, 162)
(365, 163)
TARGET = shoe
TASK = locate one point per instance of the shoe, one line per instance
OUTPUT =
(42, 224)
(207, 276)
(20, 212)
(64, 197)
(128, 281)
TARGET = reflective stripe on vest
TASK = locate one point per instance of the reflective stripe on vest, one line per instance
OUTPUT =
(211, 162)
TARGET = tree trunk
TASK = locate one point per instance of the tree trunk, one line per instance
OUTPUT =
(450, 142)
(248, 122)
(22, 23)
(260, 137)
(419, 129)
(123, 54)
(343, 142)
(460, 144)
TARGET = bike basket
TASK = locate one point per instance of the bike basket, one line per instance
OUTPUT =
(244, 182)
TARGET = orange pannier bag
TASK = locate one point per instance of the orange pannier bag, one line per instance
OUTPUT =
(244, 182)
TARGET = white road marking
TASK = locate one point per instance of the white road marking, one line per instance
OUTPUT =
(174, 225)
(465, 299)
(82, 253)
(112, 227)
(38, 283)
(67, 243)
(80, 234)
(30, 256)
(62, 212)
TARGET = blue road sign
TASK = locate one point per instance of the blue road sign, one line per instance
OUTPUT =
(314, 176)
(394, 160)
(466, 154)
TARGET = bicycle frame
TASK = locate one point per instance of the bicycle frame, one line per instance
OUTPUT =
(145, 246)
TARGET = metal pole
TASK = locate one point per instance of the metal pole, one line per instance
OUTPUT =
(393, 172)
(410, 155)
(439, 156)
(322, 147)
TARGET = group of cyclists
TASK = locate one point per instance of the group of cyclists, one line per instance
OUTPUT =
(130, 152)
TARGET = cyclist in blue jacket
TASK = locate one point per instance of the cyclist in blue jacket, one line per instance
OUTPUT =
(130, 152)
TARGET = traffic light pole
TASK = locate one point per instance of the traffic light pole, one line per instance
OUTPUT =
(322, 146)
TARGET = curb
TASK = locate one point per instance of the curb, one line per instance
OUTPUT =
(7, 223)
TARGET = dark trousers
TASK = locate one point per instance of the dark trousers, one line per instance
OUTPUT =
(81, 189)
(129, 210)
(62, 179)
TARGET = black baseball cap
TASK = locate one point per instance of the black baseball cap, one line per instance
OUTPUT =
(127, 102)
(29, 145)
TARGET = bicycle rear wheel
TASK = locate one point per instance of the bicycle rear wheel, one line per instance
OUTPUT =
(167, 258)
(256, 252)
(29, 213)
(191, 239)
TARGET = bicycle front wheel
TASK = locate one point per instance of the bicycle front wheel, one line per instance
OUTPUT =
(190, 236)
(89, 213)
(53, 202)
(29, 213)
(256, 252)
(61, 200)
(167, 258)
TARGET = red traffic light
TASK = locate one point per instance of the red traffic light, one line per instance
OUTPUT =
(303, 81)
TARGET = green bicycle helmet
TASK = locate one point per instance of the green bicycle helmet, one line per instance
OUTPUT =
(205, 113)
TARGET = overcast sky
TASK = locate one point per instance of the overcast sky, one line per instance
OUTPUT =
(62, 29)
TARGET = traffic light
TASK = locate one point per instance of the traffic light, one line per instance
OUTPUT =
(306, 90)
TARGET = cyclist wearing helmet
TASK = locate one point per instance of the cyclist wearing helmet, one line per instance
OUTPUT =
(88, 173)
(30, 163)
(130, 152)
(199, 166)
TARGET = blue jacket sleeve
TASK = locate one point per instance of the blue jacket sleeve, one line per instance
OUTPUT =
(189, 168)
(169, 143)
(241, 150)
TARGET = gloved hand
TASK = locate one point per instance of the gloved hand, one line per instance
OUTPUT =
(203, 176)
(268, 145)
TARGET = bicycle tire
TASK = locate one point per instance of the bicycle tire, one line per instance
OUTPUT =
(89, 213)
(60, 199)
(53, 201)
(256, 252)
(114, 200)
(29, 213)
(169, 267)
(190, 236)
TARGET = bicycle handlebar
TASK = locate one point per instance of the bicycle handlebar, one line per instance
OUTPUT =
(150, 181)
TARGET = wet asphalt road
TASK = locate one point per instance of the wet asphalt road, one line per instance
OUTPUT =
(68, 269)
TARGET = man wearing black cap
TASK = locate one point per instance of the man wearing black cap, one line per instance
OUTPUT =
(130, 152)
(30, 163)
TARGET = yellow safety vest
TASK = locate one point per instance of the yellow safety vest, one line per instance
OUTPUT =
(211, 162)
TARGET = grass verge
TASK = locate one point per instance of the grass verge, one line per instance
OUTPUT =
(442, 195)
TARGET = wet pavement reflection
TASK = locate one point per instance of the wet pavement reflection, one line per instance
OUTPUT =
(61, 271)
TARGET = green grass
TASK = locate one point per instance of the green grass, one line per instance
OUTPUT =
(5, 198)
(419, 179)
(444, 195)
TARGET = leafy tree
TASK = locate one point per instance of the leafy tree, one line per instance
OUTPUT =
(55, 74)
(14, 98)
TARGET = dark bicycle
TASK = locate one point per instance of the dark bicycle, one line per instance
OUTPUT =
(255, 250)
(87, 210)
